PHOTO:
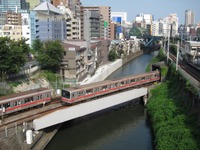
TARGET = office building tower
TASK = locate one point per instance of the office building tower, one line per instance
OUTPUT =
(189, 18)
(13, 5)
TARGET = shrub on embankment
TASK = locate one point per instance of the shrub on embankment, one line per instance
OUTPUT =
(171, 109)
(160, 57)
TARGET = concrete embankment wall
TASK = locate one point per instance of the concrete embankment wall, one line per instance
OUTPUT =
(104, 71)
(131, 56)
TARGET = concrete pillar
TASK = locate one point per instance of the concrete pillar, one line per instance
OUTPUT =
(145, 100)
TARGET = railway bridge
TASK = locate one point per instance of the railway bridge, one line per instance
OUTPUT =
(86, 108)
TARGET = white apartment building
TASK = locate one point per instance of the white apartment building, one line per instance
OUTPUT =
(26, 32)
(155, 28)
(144, 19)
(14, 32)
(168, 26)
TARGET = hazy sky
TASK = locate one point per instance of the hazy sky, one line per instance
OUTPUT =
(158, 8)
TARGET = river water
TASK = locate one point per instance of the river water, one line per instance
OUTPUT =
(125, 127)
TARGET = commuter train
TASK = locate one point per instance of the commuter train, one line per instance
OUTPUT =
(24, 100)
(93, 90)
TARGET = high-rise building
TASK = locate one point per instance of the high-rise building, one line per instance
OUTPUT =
(106, 13)
(33, 3)
(73, 21)
(13, 5)
(91, 22)
(189, 18)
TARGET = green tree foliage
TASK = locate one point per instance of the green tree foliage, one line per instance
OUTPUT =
(13, 56)
(112, 56)
(50, 56)
(173, 127)
(173, 49)
(37, 45)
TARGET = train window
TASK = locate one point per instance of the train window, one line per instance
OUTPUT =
(31, 98)
(16, 103)
(80, 93)
(89, 91)
(0, 106)
(112, 85)
(127, 81)
(7, 105)
(122, 83)
(27, 100)
(116, 84)
(143, 78)
(132, 80)
(96, 89)
(66, 94)
(104, 87)
(40, 96)
(19, 102)
(147, 77)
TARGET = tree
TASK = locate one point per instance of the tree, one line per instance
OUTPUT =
(50, 56)
(112, 55)
(13, 56)
(37, 45)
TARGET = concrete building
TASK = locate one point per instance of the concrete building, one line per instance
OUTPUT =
(13, 26)
(12, 5)
(81, 58)
(155, 28)
(13, 18)
(106, 14)
(113, 30)
(74, 61)
(192, 52)
(26, 32)
(72, 17)
(14, 32)
(169, 26)
(144, 20)
(91, 23)
(2, 18)
(189, 18)
(122, 15)
(47, 23)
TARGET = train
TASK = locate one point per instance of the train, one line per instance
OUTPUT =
(24, 100)
(38, 97)
(81, 93)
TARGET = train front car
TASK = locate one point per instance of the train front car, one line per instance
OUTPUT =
(66, 97)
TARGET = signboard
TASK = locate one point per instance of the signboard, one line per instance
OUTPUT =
(105, 24)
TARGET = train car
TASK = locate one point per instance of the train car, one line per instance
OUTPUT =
(23, 100)
(84, 92)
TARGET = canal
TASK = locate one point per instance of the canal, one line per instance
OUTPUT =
(121, 128)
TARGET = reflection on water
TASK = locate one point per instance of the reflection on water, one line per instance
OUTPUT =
(121, 128)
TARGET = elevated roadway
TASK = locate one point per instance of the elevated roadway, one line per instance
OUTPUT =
(87, 108)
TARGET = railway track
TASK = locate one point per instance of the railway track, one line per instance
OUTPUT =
(189, 69)
(29, 116)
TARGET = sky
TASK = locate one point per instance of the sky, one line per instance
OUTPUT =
(158, 8)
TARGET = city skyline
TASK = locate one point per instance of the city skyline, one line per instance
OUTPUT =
(136, 7)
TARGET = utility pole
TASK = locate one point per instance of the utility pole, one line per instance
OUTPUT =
(177, 56)
(168, 48)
